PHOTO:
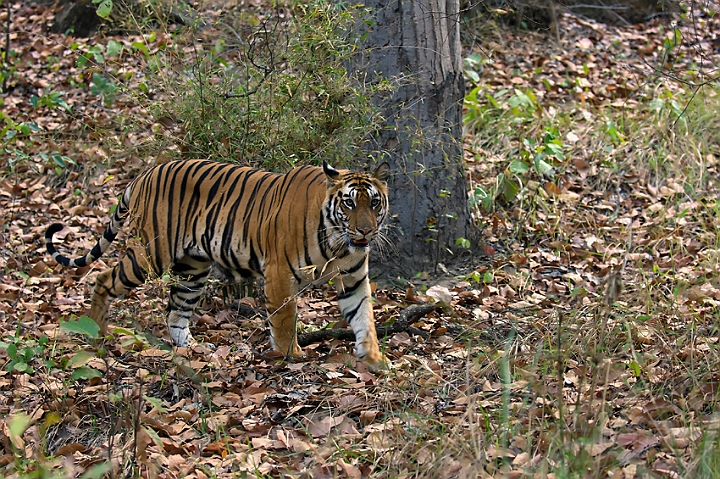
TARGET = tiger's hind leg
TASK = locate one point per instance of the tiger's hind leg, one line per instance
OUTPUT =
(190, 276)
(129, 272)
(280, 292)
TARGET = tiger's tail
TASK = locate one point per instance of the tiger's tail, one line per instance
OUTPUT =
(116, 222)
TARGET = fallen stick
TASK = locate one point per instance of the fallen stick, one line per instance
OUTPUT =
(407, 316)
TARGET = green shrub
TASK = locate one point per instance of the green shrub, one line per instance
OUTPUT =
(273, 91)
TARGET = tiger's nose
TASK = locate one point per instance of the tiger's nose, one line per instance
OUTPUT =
(364, 231)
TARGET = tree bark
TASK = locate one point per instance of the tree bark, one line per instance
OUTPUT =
(414, 45)
(78, 15)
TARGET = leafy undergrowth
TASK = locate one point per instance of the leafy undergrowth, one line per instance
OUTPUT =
(585, 345)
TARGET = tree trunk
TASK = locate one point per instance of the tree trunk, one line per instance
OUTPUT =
(78, 16)
(415, 46)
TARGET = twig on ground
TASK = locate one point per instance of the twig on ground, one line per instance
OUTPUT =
(407, 317)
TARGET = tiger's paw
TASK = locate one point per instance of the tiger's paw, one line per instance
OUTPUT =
(289, 353)
(296, 353)
(376, 362)
(181, 337)
(193, 343)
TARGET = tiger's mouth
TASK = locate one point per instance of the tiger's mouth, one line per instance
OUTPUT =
(360, 243)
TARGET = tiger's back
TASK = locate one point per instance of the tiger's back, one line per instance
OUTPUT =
(185, 216)
(227, 214)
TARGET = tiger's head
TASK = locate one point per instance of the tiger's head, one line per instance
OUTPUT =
(356, 206)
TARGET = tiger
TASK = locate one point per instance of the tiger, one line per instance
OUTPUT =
(307, 226)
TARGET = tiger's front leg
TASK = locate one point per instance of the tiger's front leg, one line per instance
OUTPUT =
(354, 301)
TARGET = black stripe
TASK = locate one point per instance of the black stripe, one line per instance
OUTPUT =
(322, 237)
(80, 262)
(256, 212)
(306, 238)
(192, 203)
(254, 263)
(350, 315)
(155, 193)
(290, 265)
(355, 268)
(94, 254)
(109, 234)
(348, 291)
(284, 189)
(233, 209)
(214, 188)
(139, 273)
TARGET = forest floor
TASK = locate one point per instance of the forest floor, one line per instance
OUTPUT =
(582, 342)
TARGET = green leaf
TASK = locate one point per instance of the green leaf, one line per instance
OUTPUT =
(635, 368)
(114, 48)
(543, 167)
(58, 160)
(85, 372)
(125, 331)
(555, 150)
(155, 403)
(510, 189)
(104, 7)
(83, 325)
(80, 358)
(18, 425)
(154, 436)
(463, 243)
(99, 84)
(657, 104)
(28, 354)
(472, 75)
(492, 101)
(518, 167)
(21, 367)
(97, 471)
(141, 46)
(678, 36)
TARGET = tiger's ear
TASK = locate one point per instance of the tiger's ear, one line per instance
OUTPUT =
(332, 174)
(382, 172)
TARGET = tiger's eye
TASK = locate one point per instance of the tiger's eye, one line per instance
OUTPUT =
(375, 203)
(349, 203)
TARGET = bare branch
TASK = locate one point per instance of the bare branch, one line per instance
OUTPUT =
(407, 317)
